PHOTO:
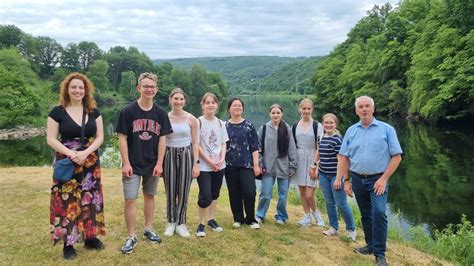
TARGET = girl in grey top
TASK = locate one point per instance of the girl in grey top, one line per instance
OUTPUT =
(279, 158)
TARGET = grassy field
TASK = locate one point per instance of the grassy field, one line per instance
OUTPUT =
(25, 239)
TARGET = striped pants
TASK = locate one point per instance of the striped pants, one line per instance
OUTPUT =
(177, 178)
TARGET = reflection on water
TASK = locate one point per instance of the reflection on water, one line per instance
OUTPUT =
(433, 185)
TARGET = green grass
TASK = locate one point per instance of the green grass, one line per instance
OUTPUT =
(25, 229)
(454, 243)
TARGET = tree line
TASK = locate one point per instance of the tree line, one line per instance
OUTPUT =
(415, 60)
(243, 73)
(31, 69)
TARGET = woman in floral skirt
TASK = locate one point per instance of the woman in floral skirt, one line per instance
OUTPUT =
(77, 208)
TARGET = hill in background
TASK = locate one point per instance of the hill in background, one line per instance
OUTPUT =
(294, 78)
(247, 74)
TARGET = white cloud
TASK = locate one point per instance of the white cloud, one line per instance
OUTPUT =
(185, 28)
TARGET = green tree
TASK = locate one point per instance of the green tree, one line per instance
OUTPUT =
(28, 48)
(19, 98)
(414, 60)
(70, 58)
(10, 36)
(181, 78)
(199, 82)
(98, 74)
(128, 85)
(88, 53)
(58, 76)
(121, 59)
(220, 85)
(47, 55)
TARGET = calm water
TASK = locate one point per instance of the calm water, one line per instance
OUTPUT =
(432, 187)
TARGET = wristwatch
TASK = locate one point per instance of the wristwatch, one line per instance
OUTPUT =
(197, 162)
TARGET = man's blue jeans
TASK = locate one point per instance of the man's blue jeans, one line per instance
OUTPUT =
(266, 196)
(335, 198)
(373, 211)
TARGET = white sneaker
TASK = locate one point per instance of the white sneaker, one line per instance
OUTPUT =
(352, 234)
(259, 220)
(236, 225)
(306, 221)
(182, 230)
(319, 219)
(170, 229)
(255, 226)
(330, 232)
(280, 222)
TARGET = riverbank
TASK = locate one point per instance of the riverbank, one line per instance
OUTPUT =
(25, 228)
(22, 132)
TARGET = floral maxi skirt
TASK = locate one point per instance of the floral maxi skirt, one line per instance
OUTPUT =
(77, 206)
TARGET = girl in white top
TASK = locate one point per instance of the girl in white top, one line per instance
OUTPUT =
(212, 148)
(181, 163)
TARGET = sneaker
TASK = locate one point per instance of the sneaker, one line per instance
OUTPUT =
(319, 219)
(254, 225)
(170, 229)
(236, 225)
(129, 245)
(306, 221)
(200, 231)
(69, 252)
(215, 226)
(330, 232)
(352, 234)
(381, 261)
(259, 220)
(363, 250)
(152, 236)
(93, 243)
(280, 221)
(182, 230)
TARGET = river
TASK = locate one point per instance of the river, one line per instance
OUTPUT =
(432, 187)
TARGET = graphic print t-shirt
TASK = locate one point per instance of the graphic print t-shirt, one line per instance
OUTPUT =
(212, 135)
(143, 130)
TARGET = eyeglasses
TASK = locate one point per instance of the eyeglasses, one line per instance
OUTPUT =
(149, 86)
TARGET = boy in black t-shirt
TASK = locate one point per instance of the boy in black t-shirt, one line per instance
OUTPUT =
(142, 127)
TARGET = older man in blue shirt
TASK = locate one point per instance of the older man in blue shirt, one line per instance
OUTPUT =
(372, 153)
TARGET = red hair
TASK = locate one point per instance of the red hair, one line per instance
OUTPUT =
(88, 101)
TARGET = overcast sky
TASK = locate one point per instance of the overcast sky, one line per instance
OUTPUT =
(178, 29)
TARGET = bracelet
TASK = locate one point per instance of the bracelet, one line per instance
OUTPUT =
(313, 166)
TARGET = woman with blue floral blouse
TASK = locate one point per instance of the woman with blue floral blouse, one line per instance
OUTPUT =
(242, 165)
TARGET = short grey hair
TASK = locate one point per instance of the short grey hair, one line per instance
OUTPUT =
(364, 97)
(147, 75)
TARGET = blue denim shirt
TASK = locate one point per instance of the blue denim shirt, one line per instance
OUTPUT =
(369, 149)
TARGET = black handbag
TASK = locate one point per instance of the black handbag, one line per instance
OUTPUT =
(64, 169)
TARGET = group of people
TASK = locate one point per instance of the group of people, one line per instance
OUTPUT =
(180, 147)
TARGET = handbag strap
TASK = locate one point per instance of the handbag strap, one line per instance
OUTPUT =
(83, 128)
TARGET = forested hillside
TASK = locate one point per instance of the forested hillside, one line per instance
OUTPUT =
(241, 72)
(31, 69)
(416, 60)
(292, 78)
